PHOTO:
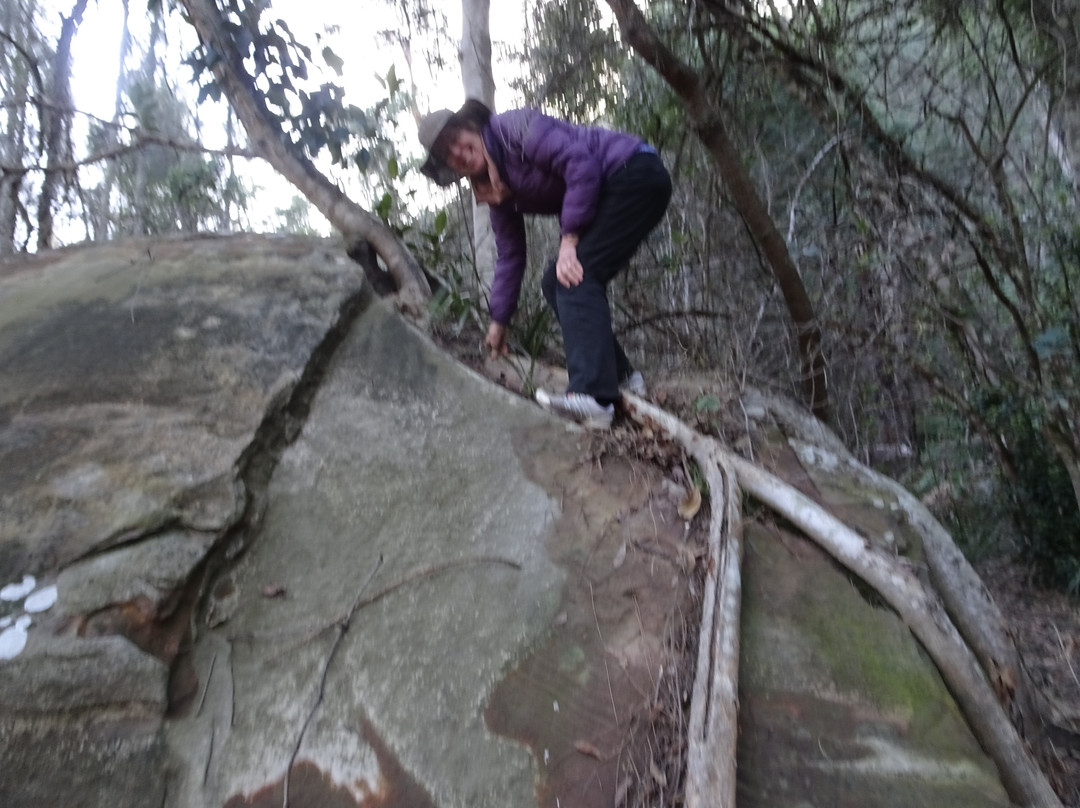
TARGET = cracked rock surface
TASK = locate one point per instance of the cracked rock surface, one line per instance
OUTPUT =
(262, 543)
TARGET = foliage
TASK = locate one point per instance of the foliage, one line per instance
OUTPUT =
(295, 218)
(155, 189)
(921, 158)
(1043, 503)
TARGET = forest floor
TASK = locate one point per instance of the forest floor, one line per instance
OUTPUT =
(1044, 622)
(1046, 626)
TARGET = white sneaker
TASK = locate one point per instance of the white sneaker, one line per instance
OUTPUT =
(634, 383)
(579, 407)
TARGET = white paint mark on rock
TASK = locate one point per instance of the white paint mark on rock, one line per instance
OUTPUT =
(41, 600)
(14, 591)
(13, 638)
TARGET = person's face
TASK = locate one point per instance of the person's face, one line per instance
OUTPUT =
(465, 154)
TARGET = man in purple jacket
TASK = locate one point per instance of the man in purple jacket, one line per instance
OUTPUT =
(609, 190)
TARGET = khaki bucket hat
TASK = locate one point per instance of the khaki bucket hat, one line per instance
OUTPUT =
(432, 126)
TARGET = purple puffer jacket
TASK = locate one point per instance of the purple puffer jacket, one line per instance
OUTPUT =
(552, 167)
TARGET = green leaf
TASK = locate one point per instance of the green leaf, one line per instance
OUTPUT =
(707, 403)
(211, 90)
(440, 222)
(332, 60)
(392, 168)
(392, 81)
(383, 206)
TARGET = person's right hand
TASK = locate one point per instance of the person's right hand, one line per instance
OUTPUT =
(567, 267)
(496, 340)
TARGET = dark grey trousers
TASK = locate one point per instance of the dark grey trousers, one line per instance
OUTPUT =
(632, 203)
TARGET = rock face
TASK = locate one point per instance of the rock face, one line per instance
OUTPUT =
(302, 557)
(284, 529)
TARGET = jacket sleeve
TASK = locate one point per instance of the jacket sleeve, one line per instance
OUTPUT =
(508, 226)
(557, 149)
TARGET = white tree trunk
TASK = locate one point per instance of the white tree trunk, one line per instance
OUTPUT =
(479, 83)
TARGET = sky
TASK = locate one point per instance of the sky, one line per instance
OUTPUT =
(94, 74)
(96, 52)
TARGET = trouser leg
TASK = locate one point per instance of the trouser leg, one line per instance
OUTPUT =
(596, 313)
(632, 203)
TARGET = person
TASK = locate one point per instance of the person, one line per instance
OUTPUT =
(609, 190)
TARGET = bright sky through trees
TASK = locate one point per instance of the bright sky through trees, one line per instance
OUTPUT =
(357, 41)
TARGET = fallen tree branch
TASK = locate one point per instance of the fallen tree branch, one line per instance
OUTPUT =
(713, 728)
(966, 600)
(921, 611)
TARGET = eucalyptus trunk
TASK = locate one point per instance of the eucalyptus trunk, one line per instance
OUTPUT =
(479, 82)
(57, 134)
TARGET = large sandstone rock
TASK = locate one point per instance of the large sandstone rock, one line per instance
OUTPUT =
(281, 545)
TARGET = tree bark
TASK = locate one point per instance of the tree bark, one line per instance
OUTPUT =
(479, 82)
(265, 135)
(713, 728)
(57, 134)
(708, 124)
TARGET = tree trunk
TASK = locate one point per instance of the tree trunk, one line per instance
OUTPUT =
(708, 124)
(713, 727)
(57, 134)
(266, 139)
(17, 68)
(476, 75)
(101, 218)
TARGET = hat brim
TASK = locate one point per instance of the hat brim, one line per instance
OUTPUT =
(439, 172)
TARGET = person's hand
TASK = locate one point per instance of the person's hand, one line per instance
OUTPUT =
(496, 339)
(567, 267)
(488, 188)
